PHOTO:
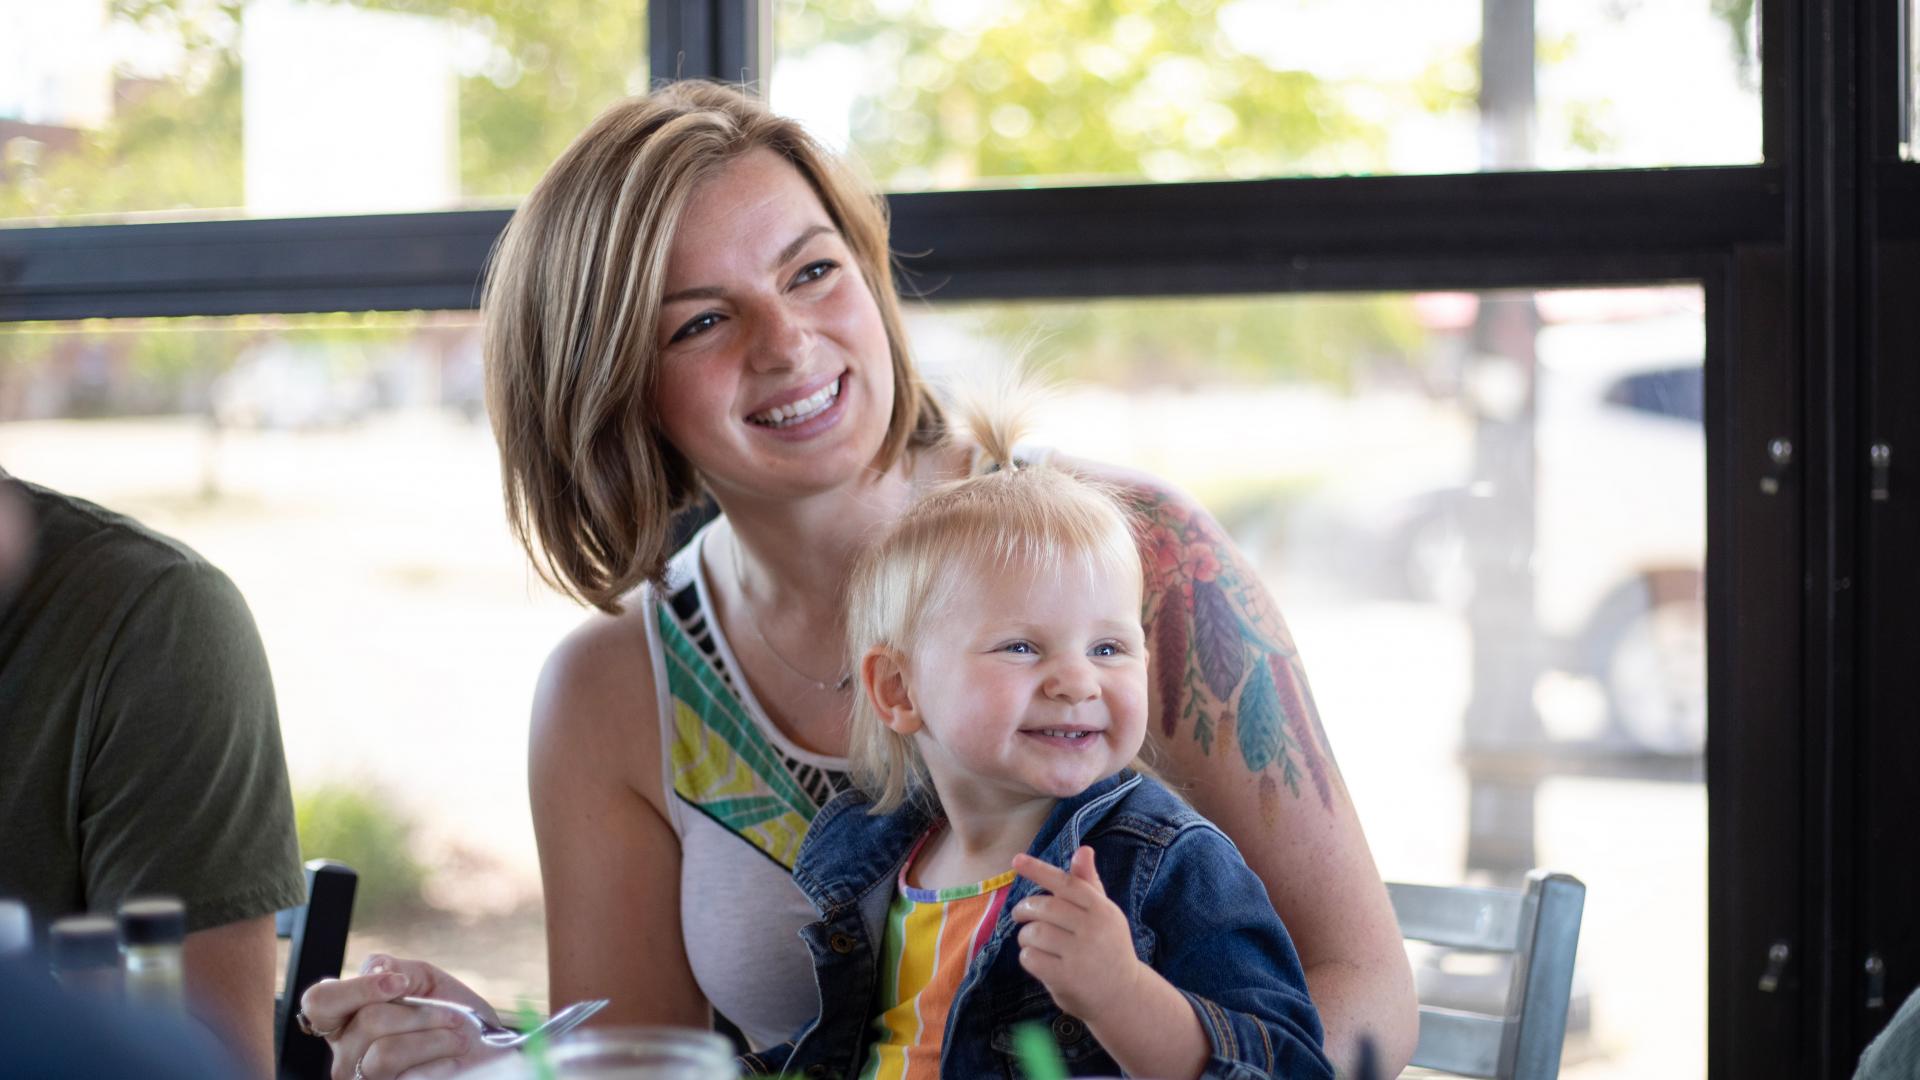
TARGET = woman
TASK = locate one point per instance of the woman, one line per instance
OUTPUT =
(696, 298)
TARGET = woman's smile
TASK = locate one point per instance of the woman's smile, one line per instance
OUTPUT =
(806, 412)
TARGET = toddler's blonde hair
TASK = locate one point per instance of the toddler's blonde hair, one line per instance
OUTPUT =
(1008, 515)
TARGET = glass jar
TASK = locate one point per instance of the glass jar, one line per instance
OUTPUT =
(151, 930)
(643, 1053)
(85, 954)
(615, 1053)
(16, 930)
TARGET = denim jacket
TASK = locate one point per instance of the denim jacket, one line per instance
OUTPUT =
(1199, 916)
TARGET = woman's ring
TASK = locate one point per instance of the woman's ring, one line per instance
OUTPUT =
(307, 1028)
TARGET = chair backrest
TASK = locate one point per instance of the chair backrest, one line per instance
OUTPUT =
(318, 930)
(1540, 928)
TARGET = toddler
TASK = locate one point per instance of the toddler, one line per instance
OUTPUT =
(1004, 859)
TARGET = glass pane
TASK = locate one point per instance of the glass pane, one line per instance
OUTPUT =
(1500, 500)
(340, 470)
(1910, 84)
(282, 107)
(934, 94)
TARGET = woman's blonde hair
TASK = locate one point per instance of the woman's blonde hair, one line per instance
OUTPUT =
(572, 303)
(1008, 515)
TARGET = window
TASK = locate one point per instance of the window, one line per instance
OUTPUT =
(936, 95)
(276, 108)
(1910, 82)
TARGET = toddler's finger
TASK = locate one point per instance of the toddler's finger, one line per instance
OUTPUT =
(1052, 879)
(1033, 907)
(1035, 910)
(1046, 937)
(1083, 868)
(1042, 965)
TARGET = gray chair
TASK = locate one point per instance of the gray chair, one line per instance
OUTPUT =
(1539, 929)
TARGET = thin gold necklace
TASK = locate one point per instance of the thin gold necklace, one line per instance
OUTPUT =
(740, 579)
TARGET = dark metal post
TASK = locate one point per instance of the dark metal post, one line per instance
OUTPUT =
(728, 40)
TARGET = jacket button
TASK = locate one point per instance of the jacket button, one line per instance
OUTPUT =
(841, 943)
(1066, 1029)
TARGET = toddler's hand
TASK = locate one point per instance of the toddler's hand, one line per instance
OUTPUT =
(1075, 941)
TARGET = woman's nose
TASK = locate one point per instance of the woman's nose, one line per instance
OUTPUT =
(782, 341)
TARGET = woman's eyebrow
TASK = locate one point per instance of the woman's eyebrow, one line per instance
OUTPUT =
(799, 242)
(698, 292)
(715, 292)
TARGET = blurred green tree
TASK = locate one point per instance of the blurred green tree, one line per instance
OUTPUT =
(1336, 341)
(1064, 91)
(368, 832)
(536, 74)
(1075, 89)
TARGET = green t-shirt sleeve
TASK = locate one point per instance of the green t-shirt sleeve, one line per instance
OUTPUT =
(185, 783)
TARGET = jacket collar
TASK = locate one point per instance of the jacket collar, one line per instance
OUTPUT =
(1066, 828)
(848, 852)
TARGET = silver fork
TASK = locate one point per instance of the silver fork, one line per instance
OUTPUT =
(506, 1038)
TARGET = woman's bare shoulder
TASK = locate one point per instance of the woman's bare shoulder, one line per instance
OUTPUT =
(1136, 485)
(594, 706)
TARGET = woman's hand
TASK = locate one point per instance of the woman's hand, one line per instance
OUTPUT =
(1075, 940)
(373, 1037)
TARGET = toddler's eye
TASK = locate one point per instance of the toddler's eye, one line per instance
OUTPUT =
(1024, 648)
(1107, 648)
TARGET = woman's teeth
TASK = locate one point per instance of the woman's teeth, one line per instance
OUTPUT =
(805, 409)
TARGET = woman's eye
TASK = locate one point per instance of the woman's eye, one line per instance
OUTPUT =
(814, 271)
(699, 324)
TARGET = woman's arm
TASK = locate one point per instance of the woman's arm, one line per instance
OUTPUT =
(609, 859)
(609, 863)
(1237, 731)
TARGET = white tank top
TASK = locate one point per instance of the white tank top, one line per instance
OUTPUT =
(740, 796)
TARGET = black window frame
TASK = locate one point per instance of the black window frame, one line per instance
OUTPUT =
(1809, 262)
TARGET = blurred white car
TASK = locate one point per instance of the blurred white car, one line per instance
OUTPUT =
(1620, 525)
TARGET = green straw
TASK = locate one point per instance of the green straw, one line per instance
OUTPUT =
(534, 1050)
(1039, 1058)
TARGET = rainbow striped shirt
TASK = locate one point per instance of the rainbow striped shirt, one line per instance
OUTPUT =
(932, 936)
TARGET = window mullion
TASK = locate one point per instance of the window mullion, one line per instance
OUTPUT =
(729, 40)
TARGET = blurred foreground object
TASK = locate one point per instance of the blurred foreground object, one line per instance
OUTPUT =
(1894, 1054)
(46, 1032)
(629, 1053)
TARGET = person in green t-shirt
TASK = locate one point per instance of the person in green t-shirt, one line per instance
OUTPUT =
(140, 747)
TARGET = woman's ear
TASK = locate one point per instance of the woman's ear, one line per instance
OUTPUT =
(883, 678)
